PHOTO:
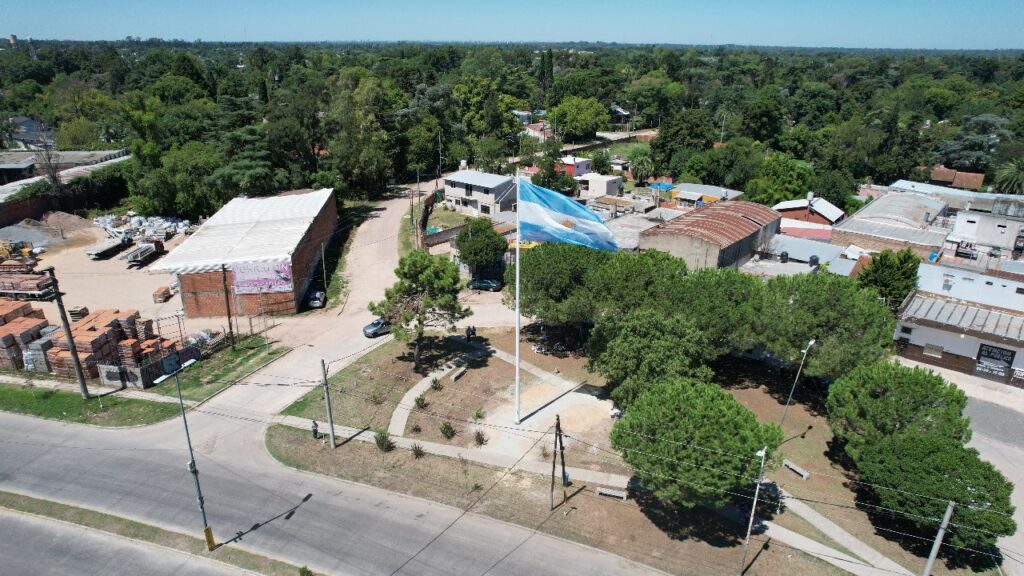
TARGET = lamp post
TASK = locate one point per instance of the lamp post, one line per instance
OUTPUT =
(172, 367)
(753, 508)
(795, 380)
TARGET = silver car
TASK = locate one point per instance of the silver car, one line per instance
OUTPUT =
(378, 327)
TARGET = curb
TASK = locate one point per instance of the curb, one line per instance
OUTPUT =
(243, 377)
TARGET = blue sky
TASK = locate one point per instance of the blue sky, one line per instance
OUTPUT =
(947, 24)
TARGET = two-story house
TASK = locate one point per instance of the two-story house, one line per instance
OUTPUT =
(479, 193)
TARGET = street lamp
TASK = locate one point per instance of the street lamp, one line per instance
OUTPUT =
(795, 380)
(172, 366)
(750, 525)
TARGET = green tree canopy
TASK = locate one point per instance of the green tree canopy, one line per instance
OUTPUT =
(636, 349)
(689, 129)
(552, 283)
(920, 472)
(577, 118)
(892, 274)
(875, 401)
(479, 245)
(425, 295)
(692, 443)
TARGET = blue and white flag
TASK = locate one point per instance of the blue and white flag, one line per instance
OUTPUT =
(549, 216)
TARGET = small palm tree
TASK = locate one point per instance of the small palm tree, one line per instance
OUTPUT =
(642, 168)
(1010, 177)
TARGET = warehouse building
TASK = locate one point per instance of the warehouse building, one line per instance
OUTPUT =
(717, 235)
(255, 255)
(894, 222)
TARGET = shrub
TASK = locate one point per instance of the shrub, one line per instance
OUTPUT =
(435, 384)
(304, 571)
(418, 451)
(421, 402)
(377, 397)
(383, 441)
(479, 438)
(416, 429)
(479, 414)
(447, 430)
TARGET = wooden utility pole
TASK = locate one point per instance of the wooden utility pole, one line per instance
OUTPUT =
(227, 304)
(67, 334)
(327, 400)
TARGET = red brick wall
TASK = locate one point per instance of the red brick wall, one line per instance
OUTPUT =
(202, 294)
(805, 215)
(844, 238)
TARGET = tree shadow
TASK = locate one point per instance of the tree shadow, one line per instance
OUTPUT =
(736, 373)
(436, 351)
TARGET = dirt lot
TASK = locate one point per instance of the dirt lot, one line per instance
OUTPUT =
(677, 541)
(807, 443)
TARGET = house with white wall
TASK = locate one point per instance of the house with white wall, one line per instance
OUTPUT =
(479, 193)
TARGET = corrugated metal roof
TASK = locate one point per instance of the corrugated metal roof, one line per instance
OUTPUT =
(476, 178)
(802, 249)
(708, 190)
(963, 316)
(842, 266)
(903, 209)
(721, 223)
(920, 236)
(970, 286)
(819, 205)
(247, 230)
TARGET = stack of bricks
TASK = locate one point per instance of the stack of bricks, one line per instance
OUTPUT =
(109, 338)
(20, 325)
(24, 282)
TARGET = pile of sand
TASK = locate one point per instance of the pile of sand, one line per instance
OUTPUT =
(66, 222)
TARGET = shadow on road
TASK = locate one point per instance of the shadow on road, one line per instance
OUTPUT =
(287, 515)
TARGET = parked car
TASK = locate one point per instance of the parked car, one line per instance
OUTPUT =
(482, 284)
(378, 327)
(317, 299)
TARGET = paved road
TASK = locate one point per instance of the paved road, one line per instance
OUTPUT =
(43, 547)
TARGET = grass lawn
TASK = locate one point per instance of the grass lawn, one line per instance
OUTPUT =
(145, 532)
(443, 219)
(365, 393)
(807, 441)
(213, 374)
(70, 407)
(677, 541)
(623, 148)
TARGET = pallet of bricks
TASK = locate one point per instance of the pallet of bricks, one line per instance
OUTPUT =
(96, 337)
(20, 325)
(34, 285)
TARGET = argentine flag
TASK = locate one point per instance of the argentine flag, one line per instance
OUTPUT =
(549, 216)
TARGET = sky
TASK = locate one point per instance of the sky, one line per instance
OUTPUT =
(939, 24)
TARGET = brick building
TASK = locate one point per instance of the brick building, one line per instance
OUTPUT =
(717, 235)
(255, 255)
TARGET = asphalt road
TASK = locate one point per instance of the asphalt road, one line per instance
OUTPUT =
(43, 547)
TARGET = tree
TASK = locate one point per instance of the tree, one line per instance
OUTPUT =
(796, 309)
(577, 118)
(892, 274)
(761, 119)
(782, 178)
(552, 285)
(636, 349)
(1010, 177)
(875, 401)
(685, 130)
(641, 164)
(601, 161)
(490, 154)
(78, 134)
(728, 318)
(692, 443)
(479, 245)
(425, 295)
(836, 186)
(920, 472)
(625, 281)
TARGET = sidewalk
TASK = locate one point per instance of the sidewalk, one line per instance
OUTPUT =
(94, 389)
(975, 387)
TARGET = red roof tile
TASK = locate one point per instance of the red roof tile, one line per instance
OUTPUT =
(968, 180)
(942, 174)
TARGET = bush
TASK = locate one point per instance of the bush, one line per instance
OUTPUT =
(435, 384)
(479, 414)
(383, 441)
(418, 451)
(304, 571)
(421, 402)
(416, 429)
(377, 398)
(479, 438)
(447, 430)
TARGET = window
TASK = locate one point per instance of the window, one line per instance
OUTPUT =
(1020, 290)
(485, 209)
(1001, 226)
(906, 329)
(968, 279)
(972, 221)
(469, 189)
(933, 350)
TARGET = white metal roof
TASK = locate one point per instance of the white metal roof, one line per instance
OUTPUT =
(477, 178)
(708, 190)
(802, 249)
(12, 188)
(841, 266)
(819, 205)
(247, 230)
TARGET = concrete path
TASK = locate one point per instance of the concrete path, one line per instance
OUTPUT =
(46, 547)
(831, 555)
(842, 537)
(400, 417)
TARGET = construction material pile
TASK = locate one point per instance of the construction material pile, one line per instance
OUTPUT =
(108, 337)
(17, 265)
(143, 229)
(161, 294)
(26, 286)
(20, 325)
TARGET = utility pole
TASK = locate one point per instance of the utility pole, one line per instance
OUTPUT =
(795, 380)
(327, 400)
(561, 449)
(263, 321)
(416, 225)
(938, 538)
(554, 463)
(753, 509)
(171, 364)
(227, 304)
(67, 334)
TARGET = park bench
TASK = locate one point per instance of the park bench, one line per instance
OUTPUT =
(803, 473)
(620, 494)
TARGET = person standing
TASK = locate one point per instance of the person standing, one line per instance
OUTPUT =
(316, 431)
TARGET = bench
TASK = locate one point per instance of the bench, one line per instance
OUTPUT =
(458, 373)
(620, 494)
(800, 471)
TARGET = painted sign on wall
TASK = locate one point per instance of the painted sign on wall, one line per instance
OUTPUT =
(256, 277)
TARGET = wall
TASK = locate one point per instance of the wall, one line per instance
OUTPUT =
(805, 215)
(306, 257)
(844, 238)
(958, 353)
(696, 252)
(14, 211)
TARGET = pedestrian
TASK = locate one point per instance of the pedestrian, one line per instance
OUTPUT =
(316, 431)
(473, 330)
(469, 333)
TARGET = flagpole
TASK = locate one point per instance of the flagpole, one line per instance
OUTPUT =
(519, 241)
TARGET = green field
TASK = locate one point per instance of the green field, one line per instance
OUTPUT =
(70, 407)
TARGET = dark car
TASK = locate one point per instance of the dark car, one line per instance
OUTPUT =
(378, 327)
(317, 299)
(482, 284)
